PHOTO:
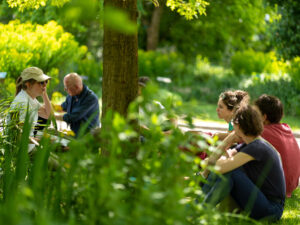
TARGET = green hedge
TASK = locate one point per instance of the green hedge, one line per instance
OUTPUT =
(294, 71)
(250, 61)
(281, 86)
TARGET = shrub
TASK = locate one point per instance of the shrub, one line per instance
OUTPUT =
(248, 62)
(45, 46)
(280, 86)
(154, 64)
(294, 71)
(93, 71)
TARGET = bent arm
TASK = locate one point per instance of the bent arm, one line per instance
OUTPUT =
(221, 136)
(228, 164)
(46, 109)
(227, 142)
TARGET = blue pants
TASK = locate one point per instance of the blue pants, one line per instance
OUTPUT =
(244, 192)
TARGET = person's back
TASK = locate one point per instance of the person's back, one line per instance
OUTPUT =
(281, 137)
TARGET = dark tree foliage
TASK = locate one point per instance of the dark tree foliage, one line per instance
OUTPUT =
(229, 25)
(286, 30)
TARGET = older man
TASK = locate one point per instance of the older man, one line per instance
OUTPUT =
(81, 105)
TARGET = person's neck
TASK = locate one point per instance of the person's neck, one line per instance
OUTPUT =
(228, 119)
(33, 96)
(249, 139)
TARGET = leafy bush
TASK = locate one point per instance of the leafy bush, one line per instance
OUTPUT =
(93, 72)
(154, 64)
(248, 62)
(280, 86)
(206, 81)
(173, 65)
(7, 88)
(294, 71)
(47, 47)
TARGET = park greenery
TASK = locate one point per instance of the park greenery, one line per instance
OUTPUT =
(203, 48)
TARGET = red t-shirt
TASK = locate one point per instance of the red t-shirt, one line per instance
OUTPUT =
(281, 137)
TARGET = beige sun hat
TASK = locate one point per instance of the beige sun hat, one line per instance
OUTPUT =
(34, 73)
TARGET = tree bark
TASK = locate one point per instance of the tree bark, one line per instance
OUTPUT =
(120, 63)
(153, 30)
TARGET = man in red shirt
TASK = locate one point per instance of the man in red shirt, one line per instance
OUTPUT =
(281, 137)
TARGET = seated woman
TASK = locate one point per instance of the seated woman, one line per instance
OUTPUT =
(281, 137)
(253, 177)
(228, 102)
(31, 84)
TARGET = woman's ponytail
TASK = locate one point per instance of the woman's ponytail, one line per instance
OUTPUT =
(19, 85)
(242, 97)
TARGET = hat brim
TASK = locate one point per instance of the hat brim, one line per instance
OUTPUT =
(42, 77)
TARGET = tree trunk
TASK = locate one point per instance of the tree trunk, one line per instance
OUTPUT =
(120, 63)
(153, 30)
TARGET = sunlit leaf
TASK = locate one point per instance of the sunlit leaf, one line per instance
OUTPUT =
(119, 20)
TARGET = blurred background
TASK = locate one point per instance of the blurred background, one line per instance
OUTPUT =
(250, 44)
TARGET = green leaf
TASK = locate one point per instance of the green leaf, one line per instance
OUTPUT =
(119, 20)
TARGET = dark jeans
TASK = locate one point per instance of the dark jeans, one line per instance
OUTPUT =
(244, 192)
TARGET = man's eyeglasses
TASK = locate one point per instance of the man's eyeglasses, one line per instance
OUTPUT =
(43, 82)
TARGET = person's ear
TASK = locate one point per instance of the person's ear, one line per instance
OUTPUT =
(28, 85)
(265, 119)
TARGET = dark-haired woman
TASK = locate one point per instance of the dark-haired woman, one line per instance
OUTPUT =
(253, 177)
(31, 84)
(228, 102)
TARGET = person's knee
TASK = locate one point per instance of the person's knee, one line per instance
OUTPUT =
(236, 174)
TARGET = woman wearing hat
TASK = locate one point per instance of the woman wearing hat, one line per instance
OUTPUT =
(31, 84)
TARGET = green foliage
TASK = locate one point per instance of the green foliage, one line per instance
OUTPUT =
(153, 64)
(76, 17)
(217, 79)
(277, 85)
(250, 61)
(7, 88)
(33, 4)
(285, 30)
(119, 20)
(92, 70)
(188, 9)
(294, 71)
(227, 27)
(48, 47)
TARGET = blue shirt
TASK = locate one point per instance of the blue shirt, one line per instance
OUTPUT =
(80, 109)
